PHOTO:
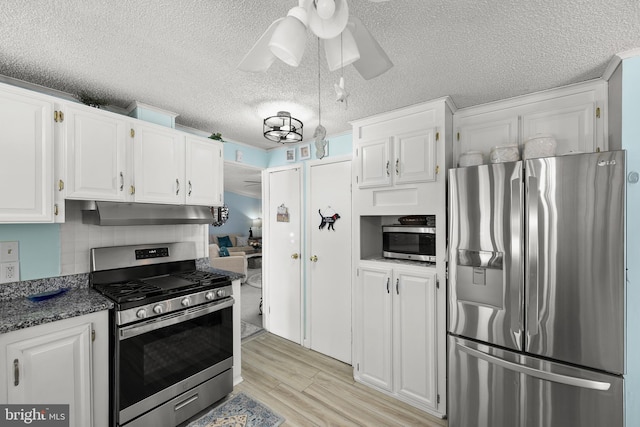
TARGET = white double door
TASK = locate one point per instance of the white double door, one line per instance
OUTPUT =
(308, 292)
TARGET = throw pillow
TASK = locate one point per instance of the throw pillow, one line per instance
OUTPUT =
(242, 241)
(224, 251)
(224, 241)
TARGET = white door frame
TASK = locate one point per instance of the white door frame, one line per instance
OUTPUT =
(266, 253)
(309, 216)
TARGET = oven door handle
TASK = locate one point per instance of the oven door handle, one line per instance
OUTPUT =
(174, 318)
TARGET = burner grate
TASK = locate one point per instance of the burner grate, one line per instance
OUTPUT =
(133, 290)
(199, 275)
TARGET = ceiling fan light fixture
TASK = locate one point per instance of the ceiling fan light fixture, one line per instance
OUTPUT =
(260, 57)
(332, 49)
(373, 59)
(288, 40)
(331, 27)
(282, 128)
(325, 8)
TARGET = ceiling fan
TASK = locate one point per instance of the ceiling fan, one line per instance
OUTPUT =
(346, 40)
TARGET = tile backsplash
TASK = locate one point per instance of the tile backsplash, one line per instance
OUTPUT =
(76, 238)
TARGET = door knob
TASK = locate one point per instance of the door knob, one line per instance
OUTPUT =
(314, 258)
(294, 256)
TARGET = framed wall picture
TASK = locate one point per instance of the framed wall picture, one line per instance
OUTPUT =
(291, 155)
(305, 152)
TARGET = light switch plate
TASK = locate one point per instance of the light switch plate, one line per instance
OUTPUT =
(9, 251)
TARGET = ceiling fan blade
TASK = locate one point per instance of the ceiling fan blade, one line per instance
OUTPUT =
(260, 57)
(373, 59)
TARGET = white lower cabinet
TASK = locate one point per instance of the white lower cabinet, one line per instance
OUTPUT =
(395, 332)
(63, 362)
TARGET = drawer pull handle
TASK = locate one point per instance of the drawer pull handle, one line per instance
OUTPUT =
(16, 372)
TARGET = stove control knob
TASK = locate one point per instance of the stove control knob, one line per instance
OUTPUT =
(157, 309)
(186, 301)
(141, 314)
(209, 295)
(220, 292)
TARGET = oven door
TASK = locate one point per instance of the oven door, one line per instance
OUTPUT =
(158, 359)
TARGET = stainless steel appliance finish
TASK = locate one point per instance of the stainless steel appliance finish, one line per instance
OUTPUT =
(119, 213)
(171, 332)
(496, 387)
(412, 242)
(537, 289)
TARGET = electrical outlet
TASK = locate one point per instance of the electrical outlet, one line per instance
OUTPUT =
(9, 272)
(9, 251)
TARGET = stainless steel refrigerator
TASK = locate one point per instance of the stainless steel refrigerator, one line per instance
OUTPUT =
(536, 292)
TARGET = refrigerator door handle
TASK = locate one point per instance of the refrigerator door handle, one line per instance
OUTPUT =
(532, 256)
(543, 375)
(516, 256)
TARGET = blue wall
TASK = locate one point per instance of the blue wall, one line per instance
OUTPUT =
(338, 146)
(631, 143)
(39, 248)
(242, 210)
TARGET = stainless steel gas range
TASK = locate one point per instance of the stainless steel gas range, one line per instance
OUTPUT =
(171, 345)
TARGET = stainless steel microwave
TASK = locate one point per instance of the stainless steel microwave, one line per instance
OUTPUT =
(413, 242)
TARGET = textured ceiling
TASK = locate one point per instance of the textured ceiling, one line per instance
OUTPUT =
(182, 55)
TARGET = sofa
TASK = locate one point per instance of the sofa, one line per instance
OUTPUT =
(236, 261)
(246, 248)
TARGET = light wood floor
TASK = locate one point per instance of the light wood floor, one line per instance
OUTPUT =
(308, 388)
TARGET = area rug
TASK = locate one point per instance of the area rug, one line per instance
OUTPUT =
(255, 280)
(241, 410)
(248, 329)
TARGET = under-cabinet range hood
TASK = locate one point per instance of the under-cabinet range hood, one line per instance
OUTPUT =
(114, 213)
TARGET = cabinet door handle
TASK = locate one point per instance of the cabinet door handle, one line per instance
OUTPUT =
(16, 372)
(388, 279)
(387, 167)
(398, 286)
(121, 181)
(177, 186)
(60, 185)
(132, 190)
(397, 167)
(190, 187)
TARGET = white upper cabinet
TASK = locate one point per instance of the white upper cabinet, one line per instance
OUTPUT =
(204, 169)
(415, 157)
(400, 158)
(375, 163)
(26, 156)
(571, 120)
(573, 115)
(483, 131)
(95, 154)
(159, 165)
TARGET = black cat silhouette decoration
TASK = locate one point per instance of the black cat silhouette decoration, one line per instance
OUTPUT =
(328, 219)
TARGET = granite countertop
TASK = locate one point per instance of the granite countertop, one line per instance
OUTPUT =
(19, 312)
(232, 275)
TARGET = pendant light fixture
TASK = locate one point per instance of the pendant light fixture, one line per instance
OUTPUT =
(282, 128)
(320, 133)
